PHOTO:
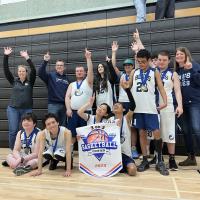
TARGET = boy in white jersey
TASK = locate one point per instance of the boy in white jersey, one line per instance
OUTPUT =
(57, 139)
(171, 84)
(23, 158)
(78, 93)
(143, 82)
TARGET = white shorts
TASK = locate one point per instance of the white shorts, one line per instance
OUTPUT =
(167, 127)
(59, 151)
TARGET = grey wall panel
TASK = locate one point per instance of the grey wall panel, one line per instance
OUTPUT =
(187, 34)
(58, 37)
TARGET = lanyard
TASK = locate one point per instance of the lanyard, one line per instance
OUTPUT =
(56, 142)
(78, 85)
(28, 141)
(121, 128)
(163, 74)
(144, 78)
(126, 77)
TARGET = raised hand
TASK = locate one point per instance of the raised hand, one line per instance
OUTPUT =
(24, 54)
(107, 59)
(115, 46)
(135, 47)
(7, 50)
(188, 64)
(124, 84)
(136, 35)
(88, 54)
(47, 57)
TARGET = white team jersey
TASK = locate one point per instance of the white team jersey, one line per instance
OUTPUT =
(145, 99)
(80, 97)
(105, 96)
(92, 120)
(125, 136)
(61, 143)
(168, 86)
(31, 144)
(122, 94)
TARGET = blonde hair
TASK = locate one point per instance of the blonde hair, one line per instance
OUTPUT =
(187, 55)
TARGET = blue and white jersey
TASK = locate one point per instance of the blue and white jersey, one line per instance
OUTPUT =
(144, 95)
(122, 93)
(28, 143)
(169, 89)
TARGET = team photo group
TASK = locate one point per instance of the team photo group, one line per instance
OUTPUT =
(112, 111)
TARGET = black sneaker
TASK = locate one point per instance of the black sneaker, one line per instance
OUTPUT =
(22, 170)
(53, 164)
(153, 161)
(162, 169)
(172, 165)
(5, 164)
(143, 166)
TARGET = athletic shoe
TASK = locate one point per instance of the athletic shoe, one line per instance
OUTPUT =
(53, 164)
(22, 170)
(172, 165)
(135, 154)
(190, 161)
(143, 166)
(5, 164)
(162, 169)
(153, 161)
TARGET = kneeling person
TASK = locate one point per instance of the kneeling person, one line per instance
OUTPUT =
(57, 140)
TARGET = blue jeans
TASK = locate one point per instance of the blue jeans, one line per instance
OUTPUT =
(14, 118)
(190, 125)
(165, 9)
(60, 111)
(140, 6)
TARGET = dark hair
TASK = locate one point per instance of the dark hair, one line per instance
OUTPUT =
(154, 55)
(109, 112)
(143, 53)
(47, 116)
(29, 116)
(164, 53)
(101, 82)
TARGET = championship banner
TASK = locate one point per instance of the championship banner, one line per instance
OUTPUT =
(99, 149)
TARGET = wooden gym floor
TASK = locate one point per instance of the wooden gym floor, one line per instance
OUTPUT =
(150, 185)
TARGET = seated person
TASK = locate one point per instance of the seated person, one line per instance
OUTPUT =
(57, 140)
(24, 156)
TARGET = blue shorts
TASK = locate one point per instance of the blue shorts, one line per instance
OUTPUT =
(74, 122)
(126, 160)
(146, 121)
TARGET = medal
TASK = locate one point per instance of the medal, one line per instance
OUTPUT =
(78, 92)
(26, 150)
(144, 78)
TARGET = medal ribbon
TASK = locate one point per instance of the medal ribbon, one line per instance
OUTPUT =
(78, 85)
(56, 142)
(143, 77)
(28, 142)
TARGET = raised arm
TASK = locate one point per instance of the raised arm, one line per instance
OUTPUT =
(115, 48)
(42, 73)
(7, 72)
(32, 77)
(114, 78)
(68, 139)
(130, 81)
(177, 90)
(161, 90)
(90, 73)
(81, 111)
(136, 38)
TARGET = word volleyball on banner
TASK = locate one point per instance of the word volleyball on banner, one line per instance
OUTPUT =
(100, 149)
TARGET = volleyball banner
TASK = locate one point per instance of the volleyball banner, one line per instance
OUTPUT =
(99, 149)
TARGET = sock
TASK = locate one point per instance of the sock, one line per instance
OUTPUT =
(158, 149)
